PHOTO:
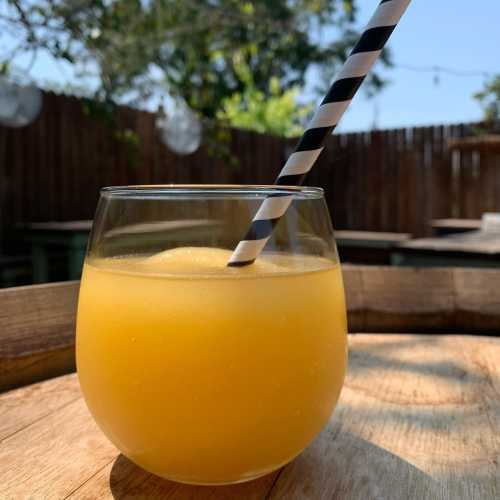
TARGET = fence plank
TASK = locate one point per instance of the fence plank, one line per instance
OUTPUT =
(441, 176)
(488, 181)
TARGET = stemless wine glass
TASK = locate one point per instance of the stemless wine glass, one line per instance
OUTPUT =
(199, 372)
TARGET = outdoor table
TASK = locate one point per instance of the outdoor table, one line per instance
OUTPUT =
(442, 227)
(470, 249)
(367, 247)
(71, 235)
(418, 418)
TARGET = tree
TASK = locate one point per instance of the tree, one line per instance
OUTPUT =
(189, 47)
(489, 99)
(137, 50)
(277, 113)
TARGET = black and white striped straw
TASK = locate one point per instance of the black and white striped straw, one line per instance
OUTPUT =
(346, 84)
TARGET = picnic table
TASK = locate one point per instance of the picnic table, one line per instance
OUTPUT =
(72, 236)
(469, 249)
(443, 227)
(367, 247)
(418, 417)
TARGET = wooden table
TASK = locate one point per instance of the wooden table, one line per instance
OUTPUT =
(367, 247)
(71, 235)
(470, 249)
(443, 227)
(418, 418)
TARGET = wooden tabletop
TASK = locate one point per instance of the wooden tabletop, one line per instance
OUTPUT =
(371, 236)
(71, 226)
(86, 226)
(163, 226)
(418, 418)
(477, 242)
(456, 224)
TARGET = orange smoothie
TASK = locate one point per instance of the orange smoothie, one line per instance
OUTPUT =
(207, 374)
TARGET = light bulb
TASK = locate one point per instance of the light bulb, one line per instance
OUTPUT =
(19, 104)
(180, 129)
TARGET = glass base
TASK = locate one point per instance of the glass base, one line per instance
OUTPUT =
(252, 476)
(193, 482)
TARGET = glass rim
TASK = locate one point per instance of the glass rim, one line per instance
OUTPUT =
(159, 190)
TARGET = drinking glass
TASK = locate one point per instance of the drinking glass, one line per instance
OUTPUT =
(199, 372)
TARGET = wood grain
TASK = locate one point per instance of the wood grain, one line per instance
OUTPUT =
(390, 299)
(418, 418)
(477, 299)
(425, 300)
(51, 457)
(24, 406)
(36, 332)
(412, 423)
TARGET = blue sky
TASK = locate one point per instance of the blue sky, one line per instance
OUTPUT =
(456, 34)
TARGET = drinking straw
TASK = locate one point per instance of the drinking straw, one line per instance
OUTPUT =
(310, 145)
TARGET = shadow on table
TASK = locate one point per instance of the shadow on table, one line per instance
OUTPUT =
(128, 481)
(337, 465)
(341, 465)
(387, 356)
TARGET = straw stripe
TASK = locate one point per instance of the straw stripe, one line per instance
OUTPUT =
(343, 90)
(327, 114)
(312, 139)
(291, 180)
(385, 15)
(298, 161)
(273, 207)
(261, 228)
(333, 106)
(358, 64)
(373, 39)
(246, 252)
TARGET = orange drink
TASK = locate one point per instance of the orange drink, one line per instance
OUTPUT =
(198, 371)
(208, 374)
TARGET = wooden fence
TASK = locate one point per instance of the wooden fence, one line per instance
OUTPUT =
(391, 180)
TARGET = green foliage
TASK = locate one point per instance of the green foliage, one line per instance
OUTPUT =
(489, 99)
(188, 48)
(241, 62)
(276, 113)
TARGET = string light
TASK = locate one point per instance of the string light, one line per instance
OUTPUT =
(19, 104)
(179, 128)
(443, 69)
